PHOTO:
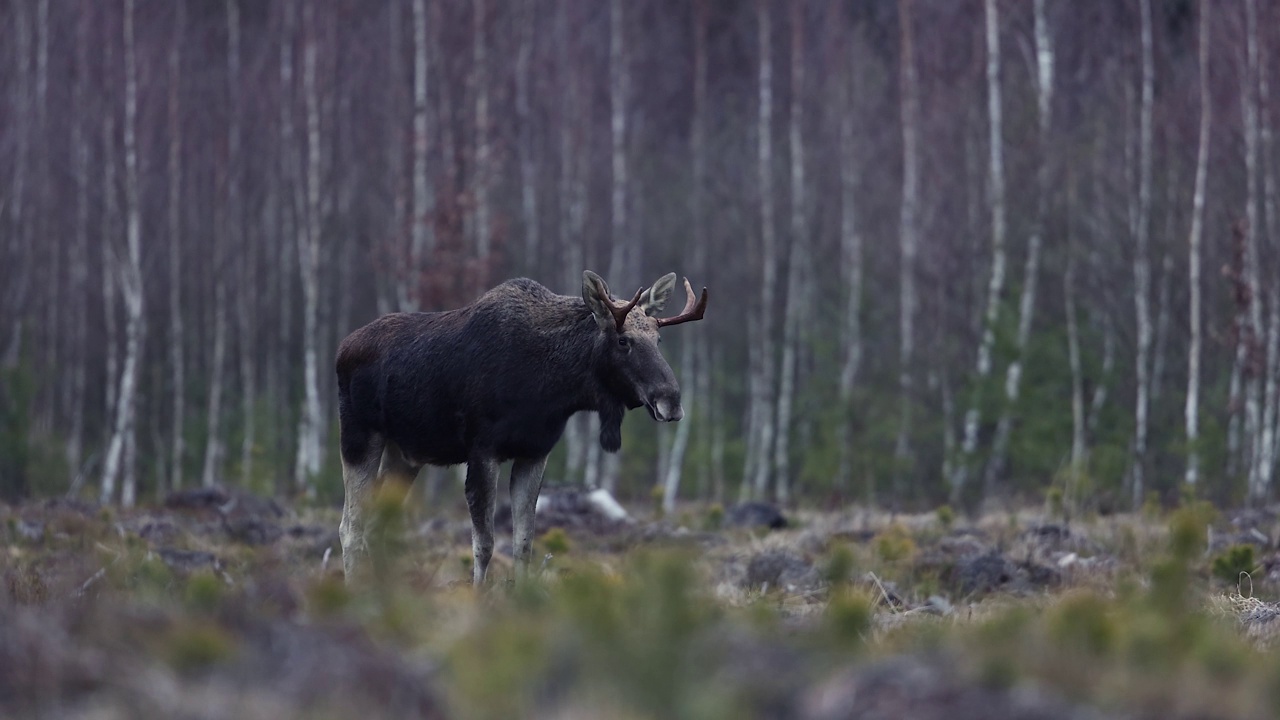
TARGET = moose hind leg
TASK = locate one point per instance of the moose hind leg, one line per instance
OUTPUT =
(359, 479)
(482, 479)
(526, 483)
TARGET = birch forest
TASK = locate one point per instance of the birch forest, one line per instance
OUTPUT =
(958, 251)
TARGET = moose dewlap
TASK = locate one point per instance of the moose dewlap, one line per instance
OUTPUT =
(494, 381)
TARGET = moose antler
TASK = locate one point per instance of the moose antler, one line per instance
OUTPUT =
(694, 308)
(621, 310)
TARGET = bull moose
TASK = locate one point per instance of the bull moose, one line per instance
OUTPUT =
(494, 381)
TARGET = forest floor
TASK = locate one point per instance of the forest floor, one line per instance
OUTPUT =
(226, 605)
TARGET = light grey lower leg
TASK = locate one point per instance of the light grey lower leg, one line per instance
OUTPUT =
(526, 483)
(359, 481)
(482, 478)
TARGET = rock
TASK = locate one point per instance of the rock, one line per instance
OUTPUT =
(30, 530)
(756, 515)
(783, 569)
(197, 499)
(253, 531)
(187, 561)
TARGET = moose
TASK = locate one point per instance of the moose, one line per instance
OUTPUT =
(492, 382)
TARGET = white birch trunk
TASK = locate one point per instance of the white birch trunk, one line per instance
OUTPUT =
(239, 245)
(763, 343)
(795, 310)
(177, 355)
(1250, 334)
(18, 244)
(309, 451)
(482, 177)
(995, 285)
(423, 235)
(109, 243)
(528, 158)
(78, 385)
(572, 211)
(1031, 271)
(1078, 418)
(692, 363)
(619, 96)
(851, 268)
(909, 223)
(1196, 342)
(1269, 202)
(129, 274)
(1142, 262)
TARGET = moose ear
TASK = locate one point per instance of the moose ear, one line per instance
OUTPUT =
(596, 294)
(655, 298)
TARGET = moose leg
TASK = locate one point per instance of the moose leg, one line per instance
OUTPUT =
(482, 479)
(396, 472)
(526, 482)
(359, 479)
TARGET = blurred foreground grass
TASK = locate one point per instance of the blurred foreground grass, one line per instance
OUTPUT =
(840, 618)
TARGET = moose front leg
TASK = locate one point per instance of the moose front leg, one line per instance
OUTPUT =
(482, 479)
(526, 482)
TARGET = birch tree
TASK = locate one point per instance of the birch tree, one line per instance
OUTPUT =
(1195, 346)
(762, 344)
(423, 235)
(692, 367)
(309, 427)
(129, 276)
(850, 257)
(909, 224)
(177, 354)
(78, 385)
(483, 145)
(794, 309)
(1142, 262)
(1248, 339)
(995, 285)
(1031, 271)
(528, 158)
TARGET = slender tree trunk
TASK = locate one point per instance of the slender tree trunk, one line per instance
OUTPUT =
(764, 342)
(129, 273)
(619, 97)
(850, 266)
(528, 152)
(444, 106)
(1142, 262)
(423, 236)
(77, 387)
(1269, 204)
(1251, 335)
(18, 244)
(177, 354)
(44, 411)
(309, 451)
(1078, 436)
(798, 253)
(909, 222)
(237, 239)
(995, 286)
(572, 211)
(692, 365)
(290, 210)
(110, 259)
(1031, 272)
(482, 176)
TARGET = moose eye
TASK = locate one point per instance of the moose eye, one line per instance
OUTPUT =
(624, 341)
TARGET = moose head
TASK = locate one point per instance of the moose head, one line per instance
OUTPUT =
(633, 368)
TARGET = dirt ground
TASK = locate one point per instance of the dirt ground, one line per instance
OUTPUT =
(227, 605)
